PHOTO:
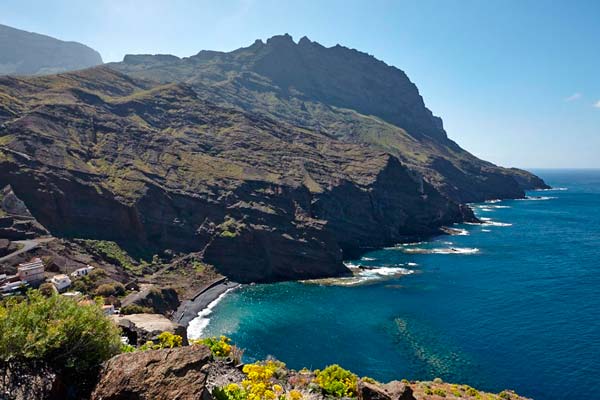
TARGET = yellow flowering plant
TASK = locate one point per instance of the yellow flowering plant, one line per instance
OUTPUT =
(219, 346)
(337, 382)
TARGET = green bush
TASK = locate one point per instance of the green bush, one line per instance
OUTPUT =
(57, 331)
(337, 382)
(135, 309)
(440, 392)
(110, 289)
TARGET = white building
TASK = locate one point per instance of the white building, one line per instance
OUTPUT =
(32, 271)
(12, 286)
(73, 295)
(84, 271)
(60, 282)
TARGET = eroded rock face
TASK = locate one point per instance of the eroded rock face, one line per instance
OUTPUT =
(337, 91)
(16, 222)
(97, 154)
(174, 374)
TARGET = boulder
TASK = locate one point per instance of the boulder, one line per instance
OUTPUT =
(394, 390)
(28, 381)
(174, 374)
(140, 328)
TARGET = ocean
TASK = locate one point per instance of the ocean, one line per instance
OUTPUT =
(513, 303)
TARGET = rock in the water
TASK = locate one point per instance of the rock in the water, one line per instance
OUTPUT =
(140, 328)
(394, 390)
(151, 375)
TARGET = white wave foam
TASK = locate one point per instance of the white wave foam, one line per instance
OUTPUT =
(485, 230)
(368, 259)
(449, 250)
(412, 264)
(537, 198)
(488, 221)
(497, 223)
(198, 324)
(456, 231)
(485, 209)
(558, 189)
(493, 201)
(496, 206)
(363, 275)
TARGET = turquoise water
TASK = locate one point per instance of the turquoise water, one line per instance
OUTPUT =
(520, 310)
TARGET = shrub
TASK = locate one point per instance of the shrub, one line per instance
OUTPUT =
(337, 382)
(56, 330)
(47, 289)
(258, 385)
(440, 392)
(166, 340)
(110, 289)
(219, 347)
(169, 340)
(504, 395)
(135, 309)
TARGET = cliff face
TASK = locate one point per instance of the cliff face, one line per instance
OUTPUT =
(342, 93)
(98, 154)
(27, 53)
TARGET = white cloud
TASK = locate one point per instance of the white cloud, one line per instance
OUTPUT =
(573, 97)
(597, 104)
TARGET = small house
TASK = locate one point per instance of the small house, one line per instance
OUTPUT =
(60, 282)
(73, 295)
(32, 271)
(84, 271)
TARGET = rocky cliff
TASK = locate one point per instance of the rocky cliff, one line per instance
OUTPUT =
(342, 93)
(27, 53)
(101, 155)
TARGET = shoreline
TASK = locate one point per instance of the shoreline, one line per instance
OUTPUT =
(189, 309)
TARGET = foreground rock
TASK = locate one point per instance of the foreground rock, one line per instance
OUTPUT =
(140, 328)
(29, 382)
(174, 374)
(394, 390)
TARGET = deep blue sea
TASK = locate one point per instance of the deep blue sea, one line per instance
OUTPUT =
(514, 303)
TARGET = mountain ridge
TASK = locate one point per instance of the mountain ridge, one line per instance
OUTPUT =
(29, 53)
(98, 154)
(341, 92)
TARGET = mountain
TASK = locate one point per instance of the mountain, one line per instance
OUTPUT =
(27, 53)
(341, 93)
(99, 154)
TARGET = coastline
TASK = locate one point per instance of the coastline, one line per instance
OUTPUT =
(189, 309)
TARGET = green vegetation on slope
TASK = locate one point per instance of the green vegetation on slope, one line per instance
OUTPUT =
(57, 331)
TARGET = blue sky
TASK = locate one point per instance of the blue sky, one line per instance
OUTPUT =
(516, 82)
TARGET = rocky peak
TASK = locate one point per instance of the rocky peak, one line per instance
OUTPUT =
(281, 40)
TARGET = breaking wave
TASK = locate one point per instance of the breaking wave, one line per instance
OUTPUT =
(537, 198)
(198, 324)
(446, 250)
(362, 275)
